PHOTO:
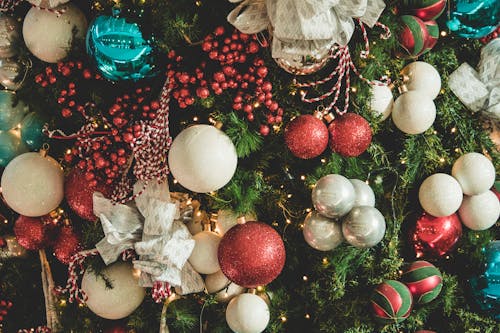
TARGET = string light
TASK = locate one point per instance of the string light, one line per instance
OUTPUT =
(62, 302)
(442, 160)
(435, 132)
(403, 162)
(443, 33)
(256, 104)
(307, 316)
(199, 3)
(302, 177)
(260, 288)
(175, 181)
(288, 221)
(289, 195)
(308, 210)
(453, 130)
(195, 118)
(323, 160)
(354, 89)
(324, 260)
(305, 278)
(457, 150)
(283, 319)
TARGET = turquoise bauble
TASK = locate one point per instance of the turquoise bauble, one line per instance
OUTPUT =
(120, 49)
(474, 18)
(31, 130)
(12, 110)
(11, 145)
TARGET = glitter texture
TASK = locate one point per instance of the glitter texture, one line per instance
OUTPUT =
(350, 135)
(306, 136)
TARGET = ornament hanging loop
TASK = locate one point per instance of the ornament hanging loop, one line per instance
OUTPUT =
(44, 150)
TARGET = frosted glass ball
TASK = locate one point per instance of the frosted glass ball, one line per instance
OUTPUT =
(49, 36)
(117, 302)
(247, 313)
(204, 256)
(364, 193)
(382, 100)
(202, 158)
(480, 212)
(440, 195)
(474, 172)
(413, 112)
(33, 185)
(423, 77)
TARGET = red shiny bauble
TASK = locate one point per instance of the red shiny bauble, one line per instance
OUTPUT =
(306, 136)
(66, 245)
(251, 254)
(350, 135)
(435, 236)
(31, 233)
(79, 192)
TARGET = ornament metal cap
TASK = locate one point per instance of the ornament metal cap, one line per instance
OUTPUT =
(44, 150)
(329, 117)
(241, 220)
(403, 89)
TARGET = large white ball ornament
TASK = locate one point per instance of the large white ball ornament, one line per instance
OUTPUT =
(33, 184)
(333, 196)
(204, 256)
(422, 77)
(225, 290)
(474, 172)
(440, 195)
(202, 158)
(413, 112)
(322, 233)
(49, 36)
(382, 100)
(480, 212)
(226, 219)
(247, 313)
(117, 302)
(364, 193)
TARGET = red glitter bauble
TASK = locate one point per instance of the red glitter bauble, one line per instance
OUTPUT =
(435, 236)
(66, 245)
(78, 192)
(350, 135)
(31, 233)
(251, 254)
(306, 136)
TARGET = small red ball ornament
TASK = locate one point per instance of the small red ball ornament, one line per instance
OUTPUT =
(350, 135)
(306, 136)
(66, 245)
(79, 194)
(31, 233)
(251, 254)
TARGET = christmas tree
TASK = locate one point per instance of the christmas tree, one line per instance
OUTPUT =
(277, 166)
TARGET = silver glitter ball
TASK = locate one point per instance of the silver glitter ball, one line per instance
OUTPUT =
(333, 196)
(363, 227)
(364, 193)
(322, 233)
(9, 36)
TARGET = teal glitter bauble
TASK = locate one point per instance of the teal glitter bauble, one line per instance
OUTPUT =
(11, 145)
(474, 18)
(31, 130)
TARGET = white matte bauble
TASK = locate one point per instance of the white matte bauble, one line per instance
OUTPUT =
(422, 77)
(440, 195)
(322, 233)
(480, 212)
(230, 292)
(216, 282)
(227, 219)
(382, 100)
(117, 302)
(333, 196)
(247, 313)
(33, 184)
(363, 227)
(49, 36)
(202, 158)
(413, 112)
(364, 193)
(474, 172)
(204, 256)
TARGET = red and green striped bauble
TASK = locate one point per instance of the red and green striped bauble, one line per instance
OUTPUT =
(391, 302)
(433, 29)
(424, 9)
(424, 281)
(413, 35)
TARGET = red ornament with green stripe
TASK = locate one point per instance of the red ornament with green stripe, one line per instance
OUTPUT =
(424, 281)
(413, 35)
(433, 29)
(391, 302)
(424, 9)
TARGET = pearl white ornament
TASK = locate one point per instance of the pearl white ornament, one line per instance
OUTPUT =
(117, 302)
(423, 77)
(227, 219)
(202, 158)
(413, 112)
(474, 172)
(33, 184)
(363, 227)
(216, 282)
(382, 100)
(440, 195)
(49, 36)
(322, 233)
(247, 313)
(333, 196)
(480, 212)
(204, 256)
(364, 193)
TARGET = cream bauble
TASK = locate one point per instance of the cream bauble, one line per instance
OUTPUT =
(422, 77)
(480, 212)
(382, 100)
(413, 112)
(474, 172)
(117, 302)
(49, 36)
(202, 158)
(364, 193)
(230, 292)
(216, 282)
(440, 195)
(226, 219)
(33, 184)
(47, 3)
(204, 256)
(322, 233)
(247, 313)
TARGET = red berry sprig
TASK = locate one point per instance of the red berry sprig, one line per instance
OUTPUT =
(486, 39)
(4, 308)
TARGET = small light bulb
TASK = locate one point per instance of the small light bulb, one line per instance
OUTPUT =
(308, 210)
(442, 160)
(453, 130)
(302, 177)
(307, 316)
(260, 288)
(289, 195)
(283, 319)
(305, 278)
(175, 181)
(288, 221)
(325, 260)
(443, 33)
(323, 160)
(195, 118)
(256, 104)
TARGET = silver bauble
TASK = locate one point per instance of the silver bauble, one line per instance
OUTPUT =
(321, 232)
(9, 36)
(12, 73)
(364, 193)
(333, 196)
(363, 227)
(303, 65)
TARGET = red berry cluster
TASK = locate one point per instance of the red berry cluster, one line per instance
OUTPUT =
(486, 39)
(4, 308)
(235, 65)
